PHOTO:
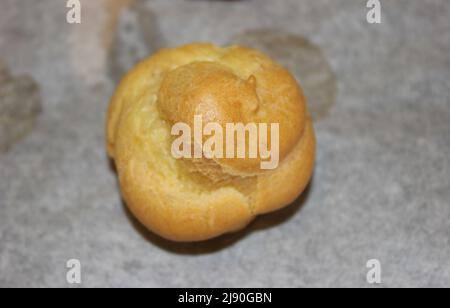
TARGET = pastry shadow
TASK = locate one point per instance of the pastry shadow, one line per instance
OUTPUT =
(260, 223)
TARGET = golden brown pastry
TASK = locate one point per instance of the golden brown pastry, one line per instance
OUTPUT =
(192, 199)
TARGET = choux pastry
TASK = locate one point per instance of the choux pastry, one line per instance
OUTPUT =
(194, 187)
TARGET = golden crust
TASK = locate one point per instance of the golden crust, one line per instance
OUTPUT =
(191, 200)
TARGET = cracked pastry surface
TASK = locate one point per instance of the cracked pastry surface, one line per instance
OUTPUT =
(198, 199)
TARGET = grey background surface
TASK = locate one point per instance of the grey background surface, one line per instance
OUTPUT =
(381, 187)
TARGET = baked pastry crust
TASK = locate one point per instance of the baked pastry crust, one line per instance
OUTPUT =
(198, 199)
